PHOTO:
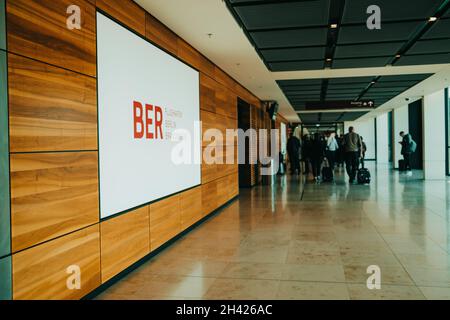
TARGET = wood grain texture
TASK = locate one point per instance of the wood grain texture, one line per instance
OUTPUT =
(165, 221)
(226, 102)
(191, 207)
(126, 11)
(207, 93)
(51, 195)
(38, 29)
(194, 58)
(161, 35)
(40, 273)
(50, 109)
(124, 241)
(209, 197)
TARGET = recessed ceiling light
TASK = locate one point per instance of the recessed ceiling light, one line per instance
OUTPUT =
(334, 26)
(432, 19)
(398, 55)
(329, 59)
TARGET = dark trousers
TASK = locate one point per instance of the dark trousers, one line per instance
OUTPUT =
(316, 165)
(407, 158)
(295, 163)
(306, 162)
(331, 156)
(352, 163)
(363, 163)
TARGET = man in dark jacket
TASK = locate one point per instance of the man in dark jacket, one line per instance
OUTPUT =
(352, 146)
(408, 148)
(293, 148)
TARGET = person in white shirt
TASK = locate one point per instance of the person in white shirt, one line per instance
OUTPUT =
(332, 148)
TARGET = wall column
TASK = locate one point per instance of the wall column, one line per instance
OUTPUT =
(434, 136)
(382, 139)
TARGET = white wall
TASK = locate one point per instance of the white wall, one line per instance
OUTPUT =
(383, 139)
(366, 129)
(434, 136)
(401, 123)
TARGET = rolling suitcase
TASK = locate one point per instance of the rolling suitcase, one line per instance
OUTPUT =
(364, 176)
(327, 172)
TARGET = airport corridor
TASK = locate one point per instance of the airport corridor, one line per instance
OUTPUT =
(302, 240)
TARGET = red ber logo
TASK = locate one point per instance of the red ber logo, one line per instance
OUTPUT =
(147, 121)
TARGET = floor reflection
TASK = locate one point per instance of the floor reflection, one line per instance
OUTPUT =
(301, 240)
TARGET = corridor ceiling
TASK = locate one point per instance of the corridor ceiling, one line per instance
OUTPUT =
(265, 44)
(300, 35)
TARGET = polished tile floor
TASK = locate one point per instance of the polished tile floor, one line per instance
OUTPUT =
(302, 240)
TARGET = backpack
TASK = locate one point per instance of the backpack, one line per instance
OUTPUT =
(412, 146)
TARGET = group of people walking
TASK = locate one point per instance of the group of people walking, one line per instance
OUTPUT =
(327, 151)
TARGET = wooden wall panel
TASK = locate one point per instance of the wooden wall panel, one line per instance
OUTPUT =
(165, 221)
(124, 241)
(52, 195)
(38, 29)
(51, 109)
(191, 207)
(233, 183)
(55, 214)
(40, 273)
(209, 197)
(223, 193)
(188, 54)
(161, 35)
(126, 11)
(209, 171)
(223, 78)
(207, 93)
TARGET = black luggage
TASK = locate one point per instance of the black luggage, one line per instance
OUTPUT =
(401, 165)
(327, 172)
(364, 176)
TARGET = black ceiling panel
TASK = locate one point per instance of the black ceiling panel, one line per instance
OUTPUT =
(407, 77)
(294, 54)
(290, 38)
(284, 15)
(395, 84)
(329, 117)
(296, 65)
(430, 47)
(350, 80)
(389, 32)
(361, 62)
(352, 116)
(289, 88)
(305, 82)
(441, 29)
(343, 91)
(391, 10)
(309, 117)
(424, 59)
(295, 35)
(375, 89)
(368, 50)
